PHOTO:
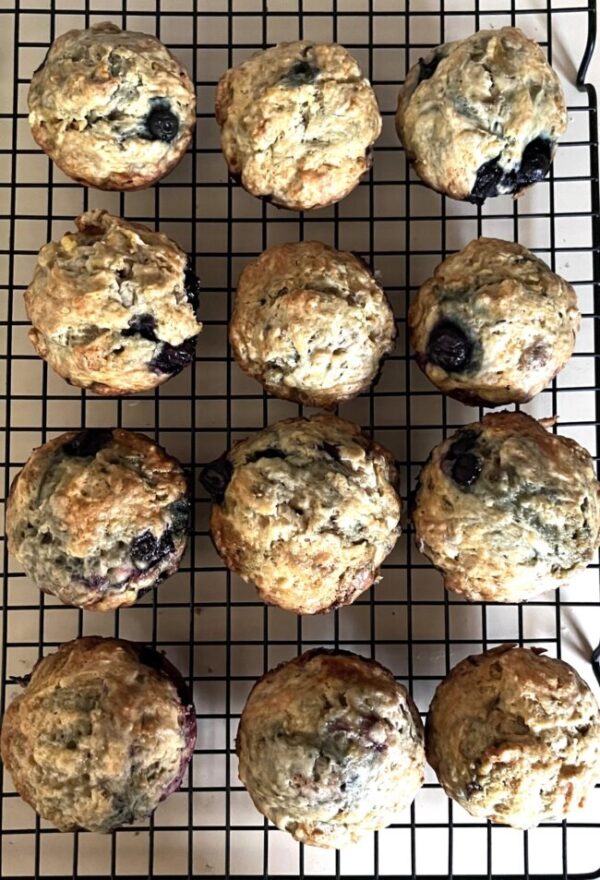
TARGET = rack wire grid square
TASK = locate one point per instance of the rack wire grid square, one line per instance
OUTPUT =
(211, 624)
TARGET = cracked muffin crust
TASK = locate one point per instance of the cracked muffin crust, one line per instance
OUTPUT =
(99, 517)
(330, 747)
(506, 510)
(514, 737)
(103, 732)
(480, 117)
(494, 325)
(113, 306)
(297, 123)
(307, 510)
(114, 109)
(310, 323)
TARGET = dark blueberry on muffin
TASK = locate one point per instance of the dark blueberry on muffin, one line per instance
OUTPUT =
(88, 442)
(449, 347)
(466, 469)
(463, 465)
(488, 180)
(180, 512)
(428, 68)
(142, 325)
(147, 550)
(171, 359)
(266, 453)
(492, 179)
(215, 477)
(300, 74)
(536, 161)
(162, 124)
(192, 284)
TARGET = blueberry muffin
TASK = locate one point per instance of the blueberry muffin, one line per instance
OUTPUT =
(507, 510)
(481, 117)
(297, 123)
(307, 510)
(494, 325)
(103, 732)
(113, 306)
(99, 517)
(310, 323)
(514, 737)
(114, 109)
(330, 747)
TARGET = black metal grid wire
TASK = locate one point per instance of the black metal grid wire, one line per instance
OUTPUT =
(212, 625)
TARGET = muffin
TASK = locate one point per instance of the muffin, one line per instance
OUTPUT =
(114, 109)
(330, 747)
(298, 122)
(514, 737)
(480, 117)
(506, 510)
(494, 325)
(113, 306)
(307, 510)
(98, 517)
(310, 323)
(103, 732)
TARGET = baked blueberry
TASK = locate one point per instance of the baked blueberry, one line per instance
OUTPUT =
(88, 443)
(449, 347)
(494, 324)
(192, 284)
(147, 549)
(462, 462)
(215, 477)
(101, 733)
(171, 359)
(486, 121)
(142, 325)
(94, 107)
(266, 453)
(536, 161)
(506, 510)
(162, 124)
(180, 513)
(428, 67)
(466, 469)
(113, 306)
(301, 73)
(488, 182)
(97, 517)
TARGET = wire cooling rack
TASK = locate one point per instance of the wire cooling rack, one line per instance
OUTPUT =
(208, 621)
